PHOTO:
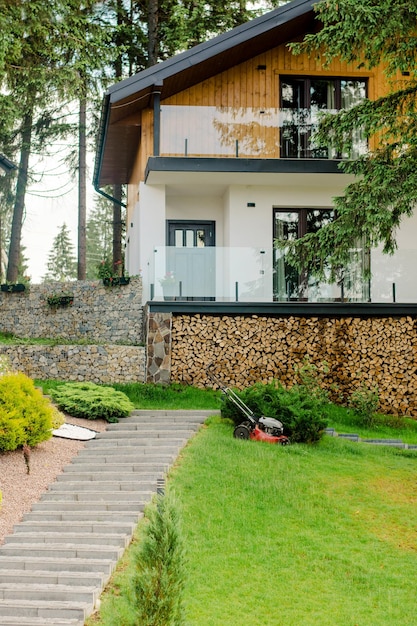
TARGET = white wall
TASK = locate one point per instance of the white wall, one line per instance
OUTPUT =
(399, 269)
(147, 232)
(244, 235)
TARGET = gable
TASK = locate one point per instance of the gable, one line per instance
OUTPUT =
(120, 129)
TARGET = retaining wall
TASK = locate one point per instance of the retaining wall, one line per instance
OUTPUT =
(98, 313)
(104, 364)
(109, 316)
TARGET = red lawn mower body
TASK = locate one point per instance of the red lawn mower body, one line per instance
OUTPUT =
(259, 435)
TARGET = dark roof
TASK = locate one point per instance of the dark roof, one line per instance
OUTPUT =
(117, 145)
(6, 165)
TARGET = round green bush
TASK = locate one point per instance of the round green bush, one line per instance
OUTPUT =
(25, 414)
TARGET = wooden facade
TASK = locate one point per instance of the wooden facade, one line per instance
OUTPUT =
(252, 84)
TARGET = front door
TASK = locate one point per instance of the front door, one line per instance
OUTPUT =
(191, 258)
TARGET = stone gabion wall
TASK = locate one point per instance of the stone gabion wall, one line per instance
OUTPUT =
(98, 313)
(109, 316)
(347, 353)
(98, 364)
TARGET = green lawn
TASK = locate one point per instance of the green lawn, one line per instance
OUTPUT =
(321, 535)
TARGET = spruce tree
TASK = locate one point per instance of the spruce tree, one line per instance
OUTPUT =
(62, 265)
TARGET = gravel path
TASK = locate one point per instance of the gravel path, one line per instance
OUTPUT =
(47, 460)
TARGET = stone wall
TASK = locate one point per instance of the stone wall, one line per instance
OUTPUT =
(347, 352)
(98, 313)
(158, 333)
(101, 364)
(108, 317)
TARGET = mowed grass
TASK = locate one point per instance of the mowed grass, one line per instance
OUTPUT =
(321, 535)
(158, 397)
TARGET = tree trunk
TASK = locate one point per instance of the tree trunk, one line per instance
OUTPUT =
(82, 190)
(19, 204)
(117, 189)
(153, 44)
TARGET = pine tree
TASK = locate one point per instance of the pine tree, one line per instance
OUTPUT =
(62, 265)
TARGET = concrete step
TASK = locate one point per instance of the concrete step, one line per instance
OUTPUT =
(146, 431)
(134, 484)
(157, 424)
(47, 593)
(51, 564)
(155, 443)
(87, 579)
(9, 620)
(122, 475)
(134, 505)
(80, 539)
(175, 414)
(117, 466)
(61, 551)
(49, 610)
(85, 527)
(128, 453)
(130, 457)
(95, 496)
(71, 517)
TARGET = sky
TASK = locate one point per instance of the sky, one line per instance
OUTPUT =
(51, 201)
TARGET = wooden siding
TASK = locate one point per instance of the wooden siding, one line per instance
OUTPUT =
(247, 85)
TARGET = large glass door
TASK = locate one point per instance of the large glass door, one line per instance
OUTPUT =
(191, 258)
(289, 284)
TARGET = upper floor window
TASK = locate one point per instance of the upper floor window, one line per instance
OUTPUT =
(302, 99)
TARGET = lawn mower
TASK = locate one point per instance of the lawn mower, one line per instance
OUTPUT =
(262, 428)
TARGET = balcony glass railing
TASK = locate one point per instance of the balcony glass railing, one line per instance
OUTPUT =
(255, 275)
(228, 132)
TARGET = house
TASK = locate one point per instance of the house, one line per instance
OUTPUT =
(214, 147)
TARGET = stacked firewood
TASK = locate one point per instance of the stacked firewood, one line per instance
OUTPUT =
(344, 353)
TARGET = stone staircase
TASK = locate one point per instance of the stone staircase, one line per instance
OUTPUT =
(54, 565)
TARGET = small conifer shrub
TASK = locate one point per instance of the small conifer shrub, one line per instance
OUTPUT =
(91, 401)
(159, 580)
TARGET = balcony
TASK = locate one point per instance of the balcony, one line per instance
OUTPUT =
(259, 275)
(250, 133)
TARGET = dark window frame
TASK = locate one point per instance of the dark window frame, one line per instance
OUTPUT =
(292, 146)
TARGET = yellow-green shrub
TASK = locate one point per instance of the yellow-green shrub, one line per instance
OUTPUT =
(25, 414)
(58, 418)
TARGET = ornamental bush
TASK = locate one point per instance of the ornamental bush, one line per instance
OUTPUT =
(159, 580)
(301, 412)
(92, 401)
(25, 414)
(364, 402)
